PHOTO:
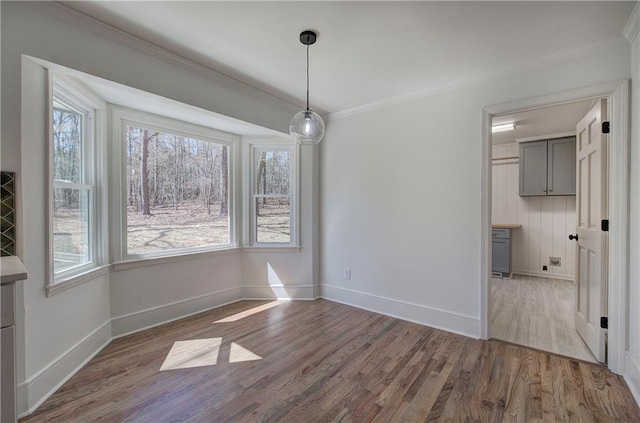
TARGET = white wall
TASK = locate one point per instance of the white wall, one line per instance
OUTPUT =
(58, 333)
(632, 359)
(147, 295)
(546, 221)
(400, 195)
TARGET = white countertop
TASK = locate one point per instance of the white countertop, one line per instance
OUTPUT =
(12, 270)
(506, 226)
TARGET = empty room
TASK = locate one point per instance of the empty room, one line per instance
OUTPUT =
(320, 211)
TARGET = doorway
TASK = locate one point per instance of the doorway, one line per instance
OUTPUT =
(533, 260)
(617, 247)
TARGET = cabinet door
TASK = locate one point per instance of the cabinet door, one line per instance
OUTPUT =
(533, 168)
(501, 257)
(8, 301)
(8, 382)
(561, 167)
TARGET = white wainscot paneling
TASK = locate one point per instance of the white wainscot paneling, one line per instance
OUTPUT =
(546, 221)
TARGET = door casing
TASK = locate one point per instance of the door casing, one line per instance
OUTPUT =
(619, 145)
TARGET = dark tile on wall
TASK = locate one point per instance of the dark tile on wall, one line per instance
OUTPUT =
(7, 214)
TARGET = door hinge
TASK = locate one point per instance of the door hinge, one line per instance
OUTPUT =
(604, 322)
(605, 225)
(605, 127)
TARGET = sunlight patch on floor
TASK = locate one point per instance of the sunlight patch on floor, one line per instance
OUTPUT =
(193, 353)
(239, 353)
(203, 352)
(250, 312)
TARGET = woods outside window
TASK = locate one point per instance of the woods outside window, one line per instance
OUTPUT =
(273, 185)
(75, 243)
(177, 191)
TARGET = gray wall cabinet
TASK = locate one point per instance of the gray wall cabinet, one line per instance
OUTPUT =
(548, 167)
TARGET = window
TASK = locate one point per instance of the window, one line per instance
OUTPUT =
(273, 186)
(72, 164)
(177, 192)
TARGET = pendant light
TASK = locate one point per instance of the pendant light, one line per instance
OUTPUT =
(307, 127)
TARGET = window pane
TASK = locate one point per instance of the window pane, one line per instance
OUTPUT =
(67, 142)
(177, 192)
(272, 172)
(274, 220)
(71, 245)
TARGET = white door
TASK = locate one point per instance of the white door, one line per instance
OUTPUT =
(591, 208)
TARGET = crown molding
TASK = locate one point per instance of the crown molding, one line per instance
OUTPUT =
(66, 14)
(632, 27)
(530, 65)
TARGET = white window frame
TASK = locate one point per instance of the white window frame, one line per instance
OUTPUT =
(72, 95)
(258, 145)
(123, 117)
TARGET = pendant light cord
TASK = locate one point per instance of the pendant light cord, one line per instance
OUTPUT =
(307, 76)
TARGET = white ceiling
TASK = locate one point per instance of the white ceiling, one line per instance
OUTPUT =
(366, 52)
(544, 121)
(132, 98)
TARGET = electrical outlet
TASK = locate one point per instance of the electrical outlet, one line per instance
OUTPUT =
(555, 261)
(346, 273)
(544, 268)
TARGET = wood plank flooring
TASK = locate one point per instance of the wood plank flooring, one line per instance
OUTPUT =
(538, 313)
(326, 362)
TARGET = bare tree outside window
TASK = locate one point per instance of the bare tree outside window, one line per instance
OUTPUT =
(71, 197)
(272, 197)
(177, 189)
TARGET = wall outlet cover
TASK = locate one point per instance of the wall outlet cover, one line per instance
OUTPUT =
(346, 273)
(555, 261)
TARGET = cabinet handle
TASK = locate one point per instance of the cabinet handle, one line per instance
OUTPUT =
(572, 237)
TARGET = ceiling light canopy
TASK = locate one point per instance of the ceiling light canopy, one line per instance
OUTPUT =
(307, 127)
(503, 127)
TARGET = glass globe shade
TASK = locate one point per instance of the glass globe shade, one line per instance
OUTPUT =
(307, 127)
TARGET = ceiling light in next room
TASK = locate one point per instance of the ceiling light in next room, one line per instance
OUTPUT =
(503, 127)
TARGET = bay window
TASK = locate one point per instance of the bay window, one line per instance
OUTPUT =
(273, 172)
(73, 194)
(177, 186)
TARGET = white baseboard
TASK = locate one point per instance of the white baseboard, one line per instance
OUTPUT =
(280, 292)
(544, 274)
(421, 314)
(34, 391)
(632, 375)
(155, 316)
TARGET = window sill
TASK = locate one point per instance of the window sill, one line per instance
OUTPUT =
(272, 249)
(152, 261)
(76, 280)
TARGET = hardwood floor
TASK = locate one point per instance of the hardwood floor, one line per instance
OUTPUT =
(538, 313)
(317, 361)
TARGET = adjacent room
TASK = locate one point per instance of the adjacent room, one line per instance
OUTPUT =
(319, 211)
(533, 214)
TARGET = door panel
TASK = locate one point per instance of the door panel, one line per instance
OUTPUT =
(591, 208)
